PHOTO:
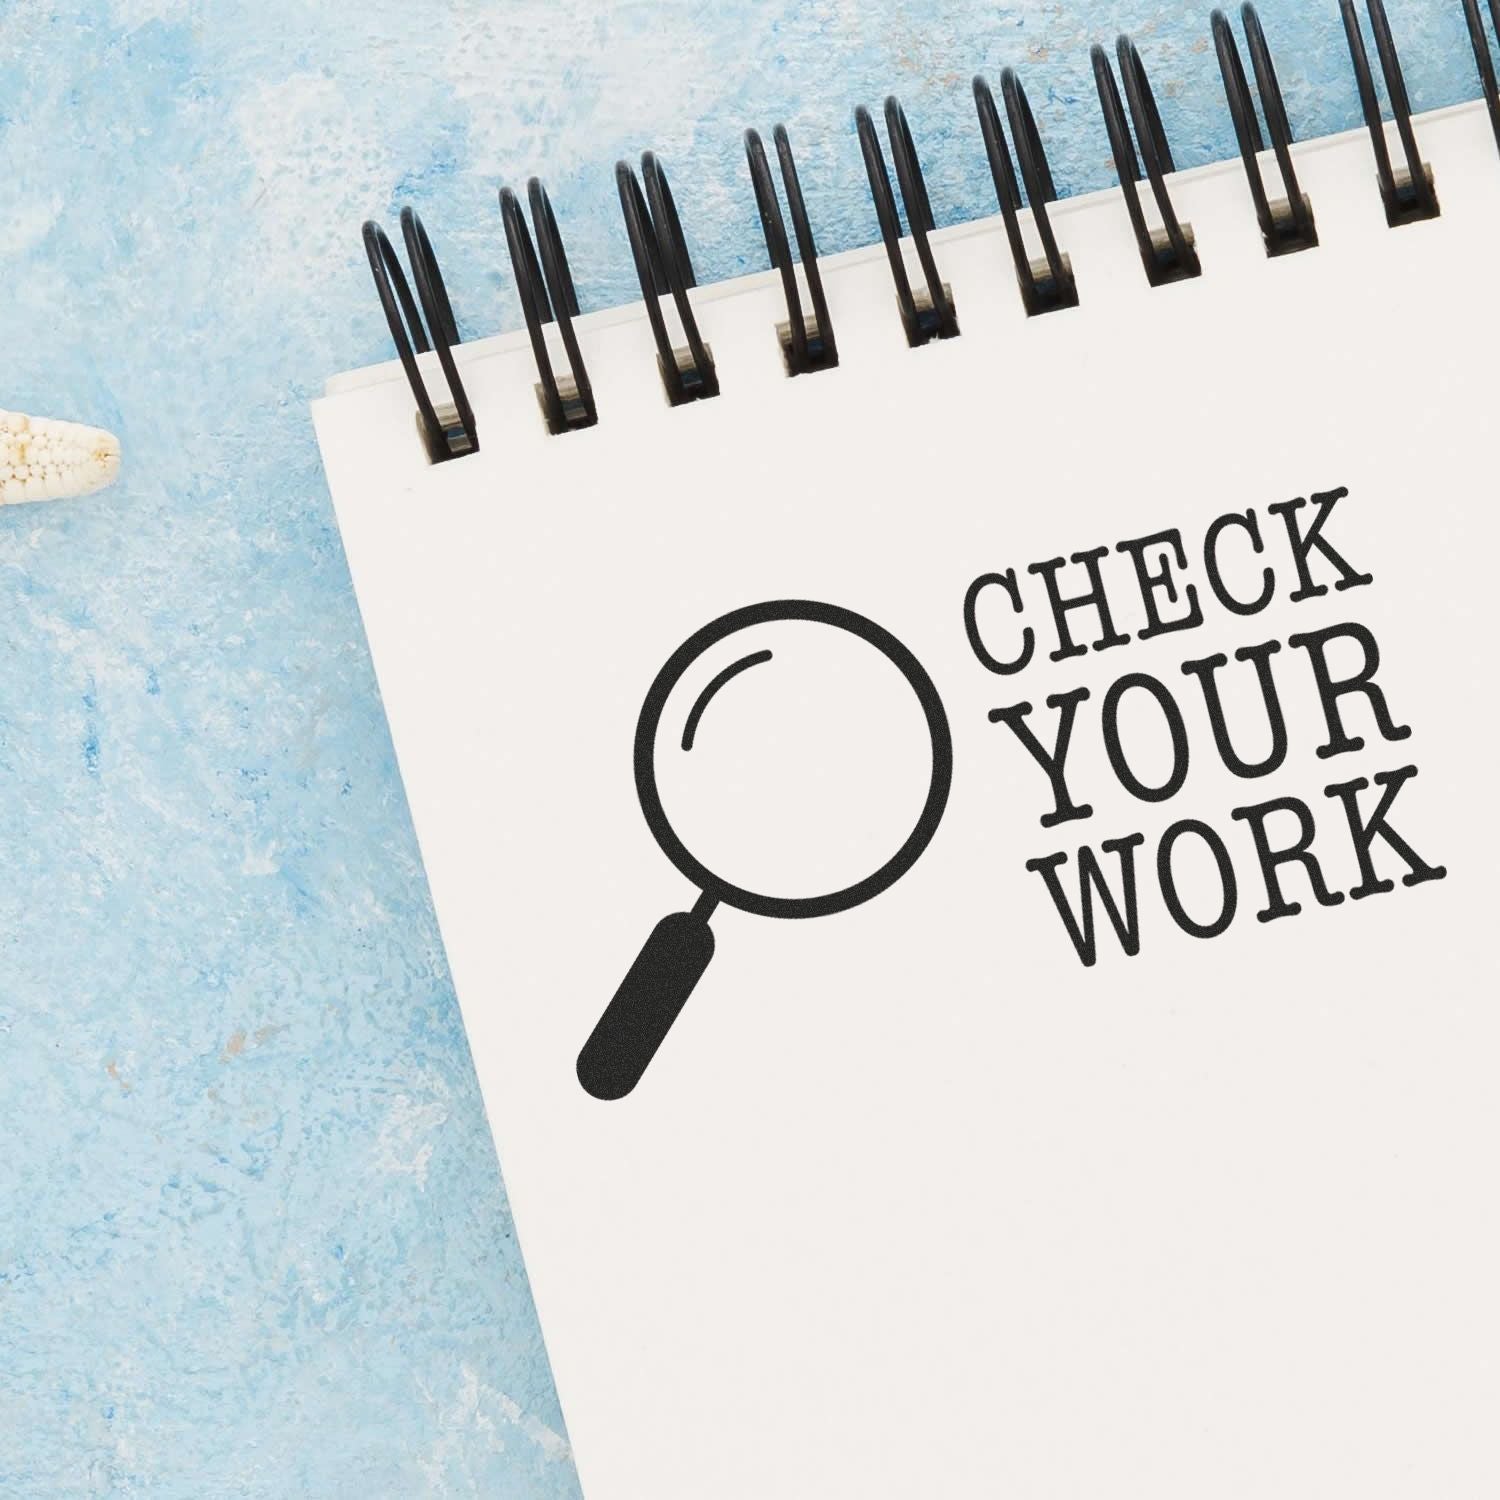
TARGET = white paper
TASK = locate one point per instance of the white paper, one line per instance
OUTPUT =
(911, 1200)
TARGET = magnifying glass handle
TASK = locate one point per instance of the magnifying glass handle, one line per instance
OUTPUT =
(637, 1020)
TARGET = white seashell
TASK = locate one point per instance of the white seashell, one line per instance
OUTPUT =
(42, 458)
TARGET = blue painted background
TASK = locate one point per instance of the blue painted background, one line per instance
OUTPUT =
(253, 1239)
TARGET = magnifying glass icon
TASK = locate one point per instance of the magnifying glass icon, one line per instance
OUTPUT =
(800, 744)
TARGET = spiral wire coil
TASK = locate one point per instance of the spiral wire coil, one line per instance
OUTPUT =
(925, 307)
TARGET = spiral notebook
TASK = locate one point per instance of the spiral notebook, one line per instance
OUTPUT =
(960, 811)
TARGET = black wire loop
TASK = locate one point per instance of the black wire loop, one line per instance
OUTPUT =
(1286, 224)
(930, 313)
(545, 288)
(448, 431)
(1046, 284)
(662, 265)
(1408, 194)
(1168, 254)
(807, 341)
(431, 288)
(1481, 45)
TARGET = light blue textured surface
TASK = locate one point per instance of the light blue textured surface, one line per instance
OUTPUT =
(253, 1240)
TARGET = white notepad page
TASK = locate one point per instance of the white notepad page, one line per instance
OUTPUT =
(912, 1201)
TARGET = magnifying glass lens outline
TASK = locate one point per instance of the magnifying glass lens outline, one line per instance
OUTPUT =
(674, 957)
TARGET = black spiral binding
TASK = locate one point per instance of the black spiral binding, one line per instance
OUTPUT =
(448, 431)
(662, 265)
(1409, 195)
(807, 341)
(1286, 225)
(928, 314)
(1018, 167)
(1048, 284)
(1481, 45)
(546, 293)
(1168, 254)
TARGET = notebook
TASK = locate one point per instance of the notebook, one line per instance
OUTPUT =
(969, 868)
